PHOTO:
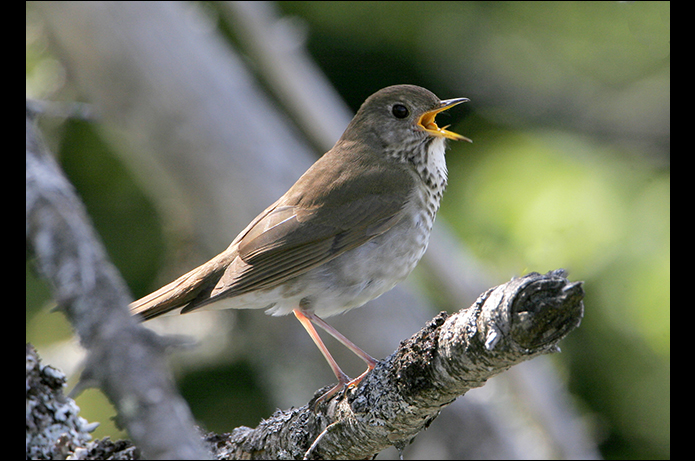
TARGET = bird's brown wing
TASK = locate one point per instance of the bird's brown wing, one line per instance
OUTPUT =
(295, 246)
(318, 219)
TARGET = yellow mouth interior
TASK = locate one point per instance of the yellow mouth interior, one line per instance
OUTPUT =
(427, 121)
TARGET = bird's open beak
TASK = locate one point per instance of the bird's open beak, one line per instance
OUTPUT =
(428, 124)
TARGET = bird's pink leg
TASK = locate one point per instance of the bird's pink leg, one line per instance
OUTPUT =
(306, 319)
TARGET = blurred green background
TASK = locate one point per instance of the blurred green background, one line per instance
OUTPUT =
(570, 167)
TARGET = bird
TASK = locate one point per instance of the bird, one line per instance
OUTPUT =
(354, 225)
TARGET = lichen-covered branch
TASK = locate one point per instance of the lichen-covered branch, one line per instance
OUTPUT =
(507, 325)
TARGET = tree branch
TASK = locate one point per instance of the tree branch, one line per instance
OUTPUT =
(124, 359)
(507, 325)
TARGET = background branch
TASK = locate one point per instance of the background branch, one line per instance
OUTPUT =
(124, 359)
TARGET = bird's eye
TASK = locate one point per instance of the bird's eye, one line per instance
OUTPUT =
(400, 111)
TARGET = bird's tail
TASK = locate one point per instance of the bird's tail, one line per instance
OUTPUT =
(194, 287)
